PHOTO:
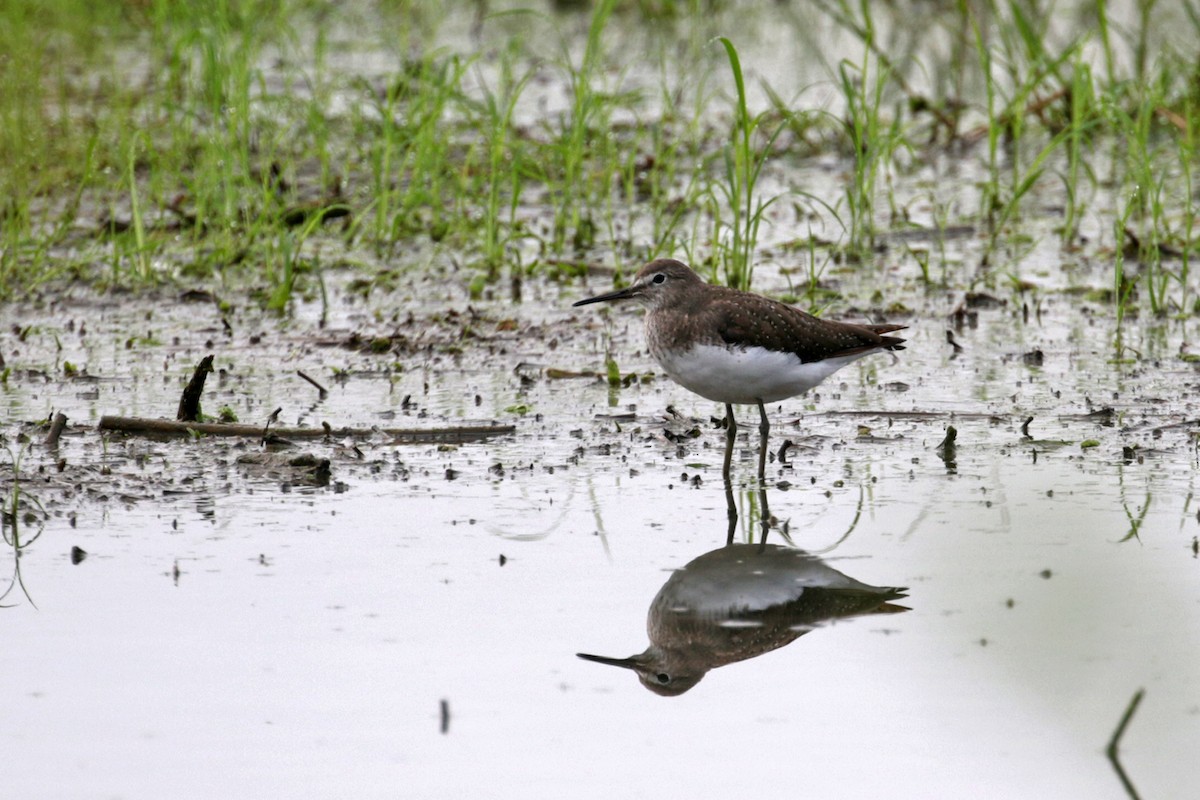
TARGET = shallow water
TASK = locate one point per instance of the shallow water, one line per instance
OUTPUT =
(312, 633)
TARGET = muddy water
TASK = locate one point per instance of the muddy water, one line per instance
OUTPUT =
(312, 632)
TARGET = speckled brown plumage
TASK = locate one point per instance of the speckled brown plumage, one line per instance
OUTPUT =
(725, 316)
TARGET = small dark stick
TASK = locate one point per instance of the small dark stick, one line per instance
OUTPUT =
(320, 388)
(189, 404)
(56, 429)
(445, 716)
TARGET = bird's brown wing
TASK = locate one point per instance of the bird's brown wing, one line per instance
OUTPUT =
(781, 327)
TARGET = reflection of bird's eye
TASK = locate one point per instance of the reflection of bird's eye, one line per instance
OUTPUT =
(660, 278)
(663, 678)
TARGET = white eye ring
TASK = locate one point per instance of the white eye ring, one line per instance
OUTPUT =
(659, 277)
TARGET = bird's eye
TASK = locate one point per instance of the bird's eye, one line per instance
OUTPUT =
(660, 277)
(663, 678)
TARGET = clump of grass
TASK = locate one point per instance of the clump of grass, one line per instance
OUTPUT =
(500, 163)
(1187, 155)
(872, 139)
(1081, 121)
(743, 162)
(412, 159)
(578, 136)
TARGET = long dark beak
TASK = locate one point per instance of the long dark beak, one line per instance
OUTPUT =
(627, 663)
(619, 294)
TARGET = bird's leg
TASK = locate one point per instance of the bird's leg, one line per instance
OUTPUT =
(765, 520)
(730, 506)
(730, 433)
(731, 509)
(764, 428)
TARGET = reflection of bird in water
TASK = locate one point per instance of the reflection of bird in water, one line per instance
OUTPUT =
(739, 602)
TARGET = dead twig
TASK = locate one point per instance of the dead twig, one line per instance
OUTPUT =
(318, 386)
(271, 419)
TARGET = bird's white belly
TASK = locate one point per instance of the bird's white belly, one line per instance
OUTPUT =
(746, 375)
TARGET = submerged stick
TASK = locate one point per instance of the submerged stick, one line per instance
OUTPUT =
(1114, 743)
(189, 403)
(143, 425)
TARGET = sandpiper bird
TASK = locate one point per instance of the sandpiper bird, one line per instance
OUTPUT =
(736, 347)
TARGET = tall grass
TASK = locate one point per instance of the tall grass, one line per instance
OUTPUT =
(871, 142)
(162, 141)
(872, 138)
(429, 171)
(743, 158)
(414, 174)
(1187, 154)
(500, 165)
(1080, 122)
(582, 130)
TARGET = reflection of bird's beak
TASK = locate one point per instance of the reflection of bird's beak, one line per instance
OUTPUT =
(627, 663)
(619, 294)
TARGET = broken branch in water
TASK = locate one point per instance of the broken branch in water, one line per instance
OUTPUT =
(56, 429)
(460, 433)
(189, 403)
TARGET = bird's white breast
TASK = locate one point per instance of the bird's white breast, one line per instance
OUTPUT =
(746, 375)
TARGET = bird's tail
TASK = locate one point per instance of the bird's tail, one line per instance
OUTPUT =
(888, 342)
